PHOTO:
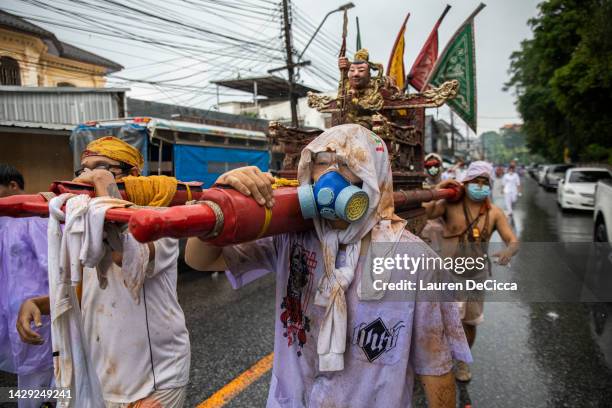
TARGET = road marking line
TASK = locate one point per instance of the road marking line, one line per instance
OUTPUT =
(239, 384)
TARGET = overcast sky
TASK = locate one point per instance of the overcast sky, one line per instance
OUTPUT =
(500, 28)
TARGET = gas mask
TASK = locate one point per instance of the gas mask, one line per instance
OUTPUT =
(333, 197)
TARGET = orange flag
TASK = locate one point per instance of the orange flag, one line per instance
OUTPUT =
(395, 68)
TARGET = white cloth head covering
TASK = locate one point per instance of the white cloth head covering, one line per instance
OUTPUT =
(433, 156)
(478, 169)
(367, 157)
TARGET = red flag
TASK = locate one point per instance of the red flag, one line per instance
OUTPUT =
(426, 59)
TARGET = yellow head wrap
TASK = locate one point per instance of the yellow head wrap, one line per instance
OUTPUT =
(155, 191)
(116, 149)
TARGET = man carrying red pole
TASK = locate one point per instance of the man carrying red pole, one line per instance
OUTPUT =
(327, 310)
(468, 226)
(135, 333)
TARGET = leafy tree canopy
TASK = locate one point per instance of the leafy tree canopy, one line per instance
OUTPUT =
(562, 79)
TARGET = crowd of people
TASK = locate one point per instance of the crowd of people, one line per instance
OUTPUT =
(117, 334)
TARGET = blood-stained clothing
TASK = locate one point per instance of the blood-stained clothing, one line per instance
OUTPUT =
(388, 342)
(23, 275)
(137, 346)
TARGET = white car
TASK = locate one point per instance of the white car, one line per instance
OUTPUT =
(577, 189)
(602, 216)
(541, 173)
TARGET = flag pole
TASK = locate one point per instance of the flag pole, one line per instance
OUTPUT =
(358, 44)
(344, 72)
(446, 10)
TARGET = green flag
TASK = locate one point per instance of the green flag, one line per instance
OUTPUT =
(458, 61)
(358, 36)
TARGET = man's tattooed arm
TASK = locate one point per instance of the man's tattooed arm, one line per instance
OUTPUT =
(105, 185)
(113, 191)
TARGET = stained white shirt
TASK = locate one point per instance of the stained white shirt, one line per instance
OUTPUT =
(137, 346)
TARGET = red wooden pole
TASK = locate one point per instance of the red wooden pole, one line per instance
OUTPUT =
(184, 191)
(244, 219)
(28, 205)
(223, 216)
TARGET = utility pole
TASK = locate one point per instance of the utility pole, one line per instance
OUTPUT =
(290, 66)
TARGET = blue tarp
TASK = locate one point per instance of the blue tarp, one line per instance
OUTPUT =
(205, 164)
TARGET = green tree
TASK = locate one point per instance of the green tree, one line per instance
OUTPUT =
(562, 79)
(505, 146)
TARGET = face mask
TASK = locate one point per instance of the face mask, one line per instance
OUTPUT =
(433, 171)
(333, 197)
(478, 193)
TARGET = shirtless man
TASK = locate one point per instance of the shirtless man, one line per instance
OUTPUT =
(473, 220)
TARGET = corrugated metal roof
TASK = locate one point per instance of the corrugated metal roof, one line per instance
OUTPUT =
(137, 107)
(270, 86)
(52, 106)
(59, 89)
(205, 129)
(185, 127)
(36, 125)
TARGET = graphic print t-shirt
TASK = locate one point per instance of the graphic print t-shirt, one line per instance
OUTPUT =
(387, 342)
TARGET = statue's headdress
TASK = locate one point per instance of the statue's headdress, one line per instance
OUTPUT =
(362, 57)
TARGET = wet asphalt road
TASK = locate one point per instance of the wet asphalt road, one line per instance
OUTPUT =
(526, 354)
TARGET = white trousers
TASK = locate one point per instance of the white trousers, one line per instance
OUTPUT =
(510, 199)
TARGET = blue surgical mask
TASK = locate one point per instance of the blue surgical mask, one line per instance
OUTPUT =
(477, 192)
(333, 197)
(433, 171)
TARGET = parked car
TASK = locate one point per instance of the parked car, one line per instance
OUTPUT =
(602, 215)
(541, 172)
(533, 171)
(577, 189)
(531, 168)
(553, 174)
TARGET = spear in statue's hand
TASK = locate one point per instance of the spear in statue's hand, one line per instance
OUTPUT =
(343, 71)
